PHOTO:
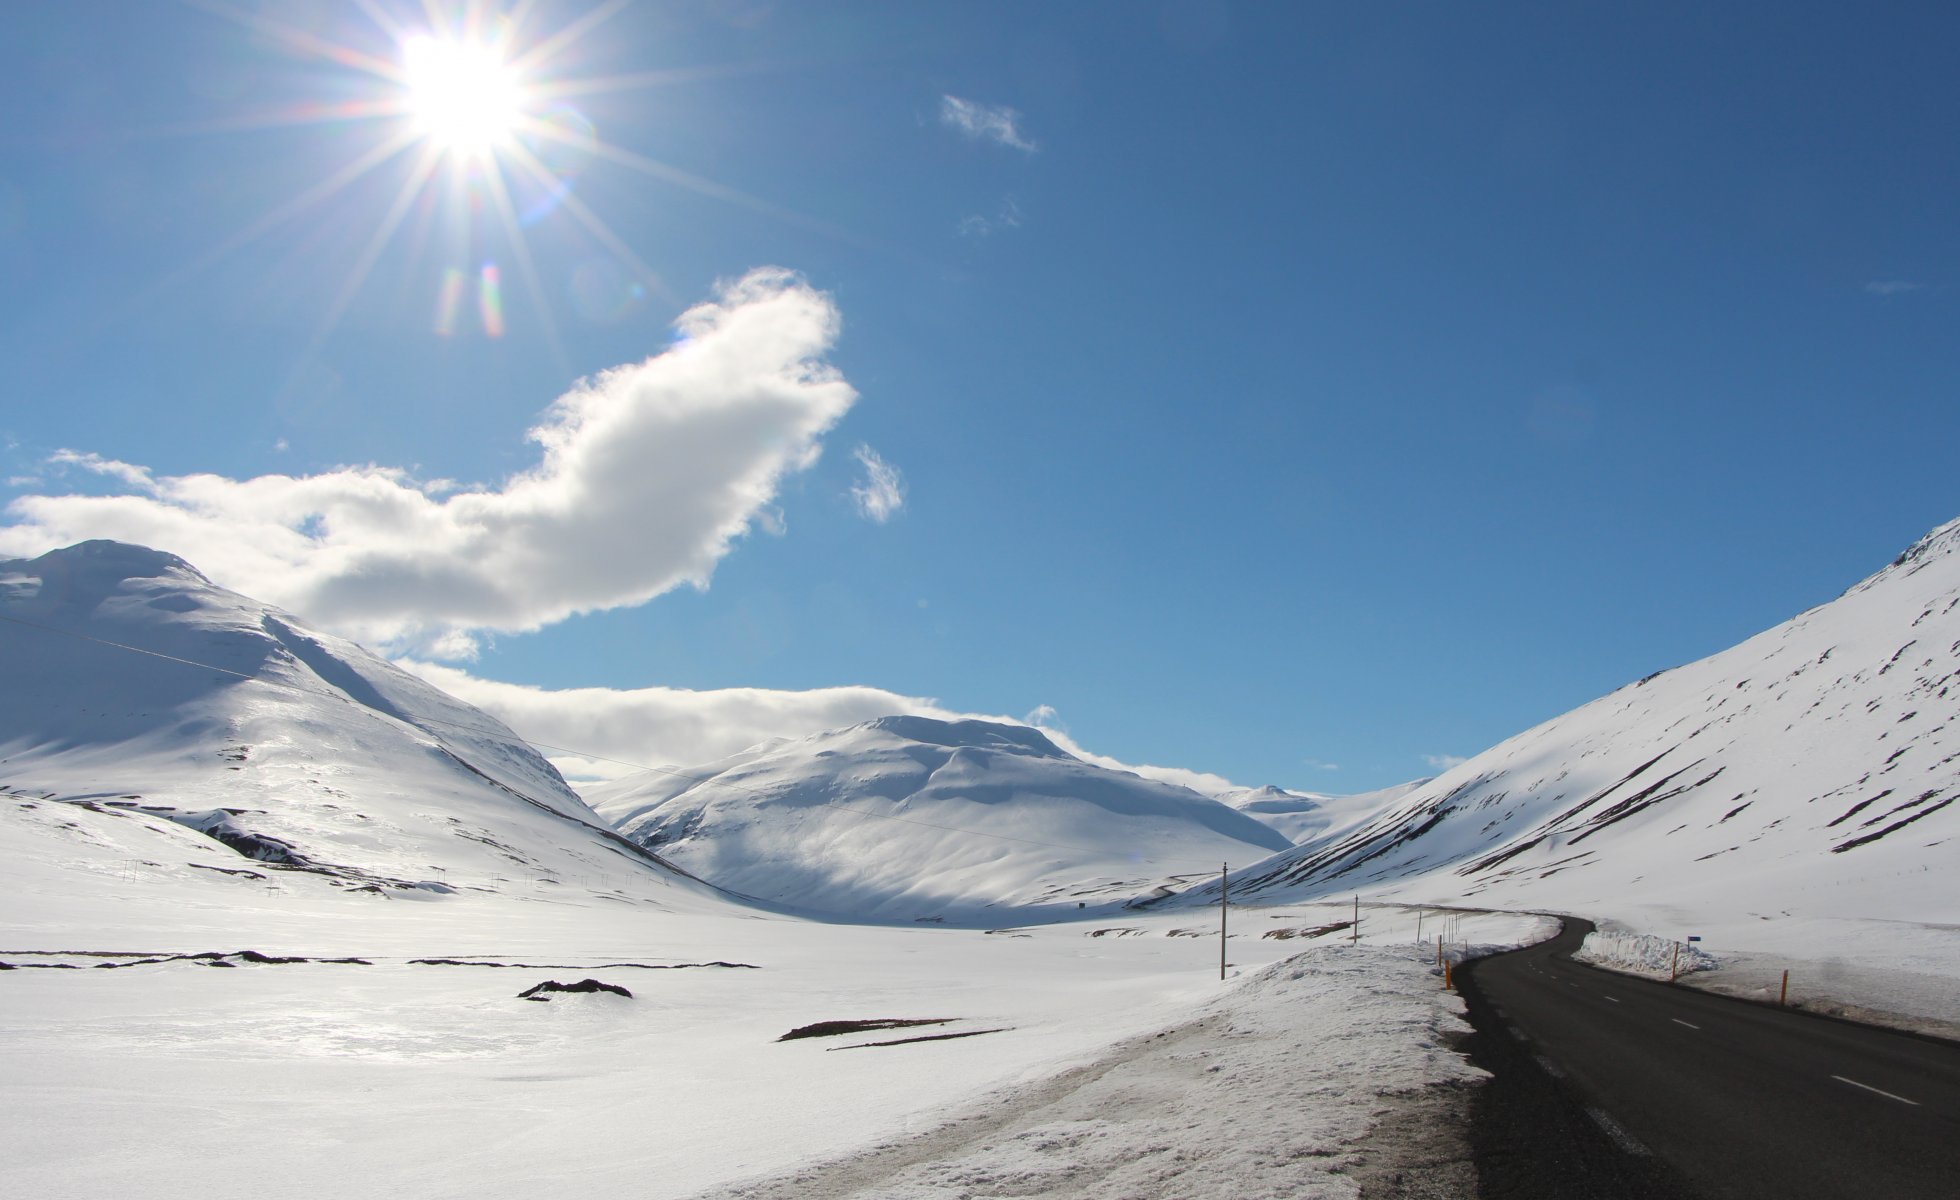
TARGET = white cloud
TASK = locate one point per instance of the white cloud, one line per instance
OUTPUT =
(582, 728)
(646, 476)
(882, 493)
(1318, 765)
(1044, 716)
(1892, 287)
(660, 726)
(985, 122)
(1443, 762)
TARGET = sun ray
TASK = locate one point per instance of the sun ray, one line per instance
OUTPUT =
(300, 40)
(299, 114)
(695, 183)
(383, 20)
(500, 198)
(363, 265)
(316, 194)
(665, 77)
(550, 47)
(542, 175)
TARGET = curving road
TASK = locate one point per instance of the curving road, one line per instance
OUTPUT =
(1612, 1086)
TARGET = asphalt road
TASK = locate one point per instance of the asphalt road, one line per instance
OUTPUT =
(1618, 1086)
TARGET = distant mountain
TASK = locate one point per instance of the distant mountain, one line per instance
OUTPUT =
(1303, 816)
(909, 818)
(156, 726)
(1812, 769)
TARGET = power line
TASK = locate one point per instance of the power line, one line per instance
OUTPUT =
(583, 754)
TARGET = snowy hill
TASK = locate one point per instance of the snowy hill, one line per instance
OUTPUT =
(159, 729)
(1810, 772)
(910, 818)
(1303, 816)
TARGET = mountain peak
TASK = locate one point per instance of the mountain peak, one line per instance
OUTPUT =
(1943, 540)
(985, 735)
(99, 565)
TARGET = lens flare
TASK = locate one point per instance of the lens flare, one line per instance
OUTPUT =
(490, 300)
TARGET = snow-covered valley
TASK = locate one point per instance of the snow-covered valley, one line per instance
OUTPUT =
(186, 775)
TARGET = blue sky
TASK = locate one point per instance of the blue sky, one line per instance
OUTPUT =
(1297, 393)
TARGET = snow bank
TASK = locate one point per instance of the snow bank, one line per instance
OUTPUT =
(1316, 1076)
(1644, 954)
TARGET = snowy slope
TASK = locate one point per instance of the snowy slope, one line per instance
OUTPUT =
(159, 728)
(1303, 816)
(910, 818)
(1810, 772)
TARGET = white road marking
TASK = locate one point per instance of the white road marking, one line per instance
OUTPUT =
(1614, 999)
(1621, 1137)
(1551, 1068)
(1881, 1091)
(1679, 1021)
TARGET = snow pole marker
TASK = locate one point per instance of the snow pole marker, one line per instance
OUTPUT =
(1783, 1001)
(1224, 890)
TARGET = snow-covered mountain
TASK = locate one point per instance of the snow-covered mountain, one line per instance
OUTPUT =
(1813, 769)
(157, 727)
(1303, 816)
(910, 818)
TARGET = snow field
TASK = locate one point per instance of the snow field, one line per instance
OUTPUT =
(179, 1079)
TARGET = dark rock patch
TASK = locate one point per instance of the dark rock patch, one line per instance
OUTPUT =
(834, 1028)
(538, 993)
(930, 1037)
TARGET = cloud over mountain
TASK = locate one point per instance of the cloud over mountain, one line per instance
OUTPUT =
(647, 474)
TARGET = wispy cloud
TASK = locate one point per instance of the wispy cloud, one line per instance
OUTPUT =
(124, 473)
(1443, 762)
(1007, 216)
(985, 122)
(881, 493)
(646, 477)
(1893, 287)
(1318, 765)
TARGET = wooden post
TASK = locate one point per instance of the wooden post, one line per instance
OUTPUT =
(1418, 927)
(1439, 949)
(1224, 891)
(1674, 968)
(1783, 1000)
(1356, 939)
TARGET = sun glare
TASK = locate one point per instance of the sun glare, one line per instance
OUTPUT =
(464, 98)
(479, 87)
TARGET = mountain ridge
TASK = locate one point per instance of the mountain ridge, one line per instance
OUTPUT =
(1830, 735)
(164, 703)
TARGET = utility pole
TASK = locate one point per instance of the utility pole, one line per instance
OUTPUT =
(1224, 892)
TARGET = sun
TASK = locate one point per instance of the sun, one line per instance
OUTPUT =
(463, 97)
